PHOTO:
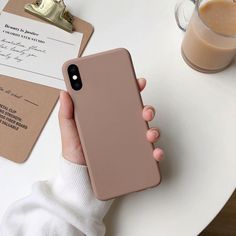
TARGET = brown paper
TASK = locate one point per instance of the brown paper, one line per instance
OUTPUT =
(24, 110)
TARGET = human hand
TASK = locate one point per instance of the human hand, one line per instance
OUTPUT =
(71, 145)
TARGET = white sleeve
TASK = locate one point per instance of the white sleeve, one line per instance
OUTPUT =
(63, 206)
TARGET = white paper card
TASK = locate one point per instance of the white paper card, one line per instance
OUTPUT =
(35, 51)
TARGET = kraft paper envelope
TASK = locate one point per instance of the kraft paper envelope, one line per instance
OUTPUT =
(24, 108)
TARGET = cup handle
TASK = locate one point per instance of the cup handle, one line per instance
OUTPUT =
(183, 13)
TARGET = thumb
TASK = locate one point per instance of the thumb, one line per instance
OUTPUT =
(71, 145)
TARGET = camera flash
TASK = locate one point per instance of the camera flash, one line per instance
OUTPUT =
(75, 77)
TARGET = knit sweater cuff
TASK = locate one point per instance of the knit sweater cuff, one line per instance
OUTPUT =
(73, 184)
(73, 178)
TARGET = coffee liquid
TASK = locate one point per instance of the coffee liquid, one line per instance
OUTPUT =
(206, 46)
(220, 16)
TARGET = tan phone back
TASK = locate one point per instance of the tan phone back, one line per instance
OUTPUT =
(108, 114)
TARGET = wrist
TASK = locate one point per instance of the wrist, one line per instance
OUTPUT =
(75, 157)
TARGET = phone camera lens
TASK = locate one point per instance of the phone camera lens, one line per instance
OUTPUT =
(73, 68)
(75, 79)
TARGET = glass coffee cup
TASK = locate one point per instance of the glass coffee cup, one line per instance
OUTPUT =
(209, 44)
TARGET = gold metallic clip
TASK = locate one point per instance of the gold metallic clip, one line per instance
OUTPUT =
(53, 11)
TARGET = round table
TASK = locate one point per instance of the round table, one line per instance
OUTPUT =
(196, 114)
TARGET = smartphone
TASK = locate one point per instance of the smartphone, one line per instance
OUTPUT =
(108, 114)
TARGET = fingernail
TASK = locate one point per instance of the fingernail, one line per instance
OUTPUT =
(158, 154)
(144, 80)
(61, 94)
(152, 112)
(155, 133)
(161, 157)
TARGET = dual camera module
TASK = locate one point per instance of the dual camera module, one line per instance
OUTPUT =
(75, 79)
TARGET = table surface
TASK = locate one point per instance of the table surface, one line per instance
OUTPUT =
(196, 114)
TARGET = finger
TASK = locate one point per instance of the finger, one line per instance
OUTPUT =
(142, 84)
(158, 154)
(69, 135)
(153, 135)
(66, 111)
(148, 113)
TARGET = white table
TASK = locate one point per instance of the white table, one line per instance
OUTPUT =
(196, 113)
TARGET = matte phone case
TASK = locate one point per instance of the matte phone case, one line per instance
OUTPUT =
(108, 114)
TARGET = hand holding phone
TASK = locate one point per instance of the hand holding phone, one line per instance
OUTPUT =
(71, 144)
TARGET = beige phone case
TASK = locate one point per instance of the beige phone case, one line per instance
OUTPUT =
(108, 113)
